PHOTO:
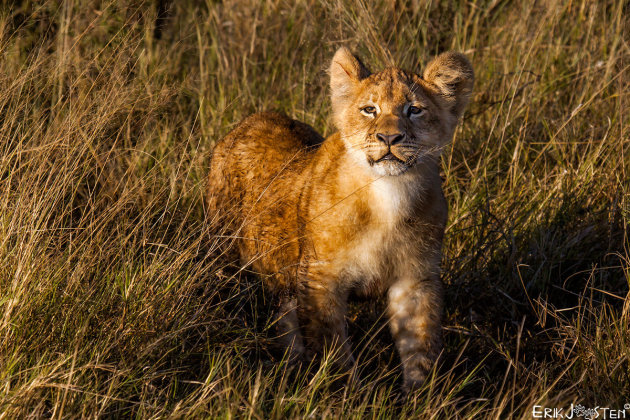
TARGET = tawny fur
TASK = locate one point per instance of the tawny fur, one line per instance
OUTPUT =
(319, 219)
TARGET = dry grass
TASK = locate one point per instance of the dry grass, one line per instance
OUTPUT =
(114, 299)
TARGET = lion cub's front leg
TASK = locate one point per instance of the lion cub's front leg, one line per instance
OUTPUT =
(321, 312)
(415, 311)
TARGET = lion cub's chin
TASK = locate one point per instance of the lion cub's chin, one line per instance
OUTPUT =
(389, 168)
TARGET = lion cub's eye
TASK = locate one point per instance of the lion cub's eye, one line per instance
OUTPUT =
(414, 110)
(369, 111)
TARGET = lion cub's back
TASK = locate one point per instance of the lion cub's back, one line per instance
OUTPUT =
(257, 164)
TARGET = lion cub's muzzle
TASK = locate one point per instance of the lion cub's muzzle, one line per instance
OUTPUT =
(389, 154)
(393, 146)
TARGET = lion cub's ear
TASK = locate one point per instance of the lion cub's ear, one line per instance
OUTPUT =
(452, 76)
(346, 70)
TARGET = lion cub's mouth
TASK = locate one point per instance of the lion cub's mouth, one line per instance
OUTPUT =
(388, 164)
(389, 156)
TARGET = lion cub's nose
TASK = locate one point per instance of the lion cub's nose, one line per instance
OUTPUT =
(390, 139)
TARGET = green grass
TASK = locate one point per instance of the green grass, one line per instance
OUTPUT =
(115, 300)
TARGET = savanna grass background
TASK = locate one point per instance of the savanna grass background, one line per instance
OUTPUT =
(117, 300)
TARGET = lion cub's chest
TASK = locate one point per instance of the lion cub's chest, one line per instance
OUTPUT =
(374, 251)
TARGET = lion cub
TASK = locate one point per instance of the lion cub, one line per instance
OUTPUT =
(361, 211)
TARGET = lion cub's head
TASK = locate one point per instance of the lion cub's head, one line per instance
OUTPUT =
(390, 120)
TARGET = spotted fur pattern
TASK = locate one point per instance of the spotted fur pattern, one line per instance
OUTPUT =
(361, 211)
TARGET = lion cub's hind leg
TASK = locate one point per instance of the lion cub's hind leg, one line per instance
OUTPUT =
(289, 336)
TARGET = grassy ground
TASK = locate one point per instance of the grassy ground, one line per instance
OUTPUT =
(115, 302)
